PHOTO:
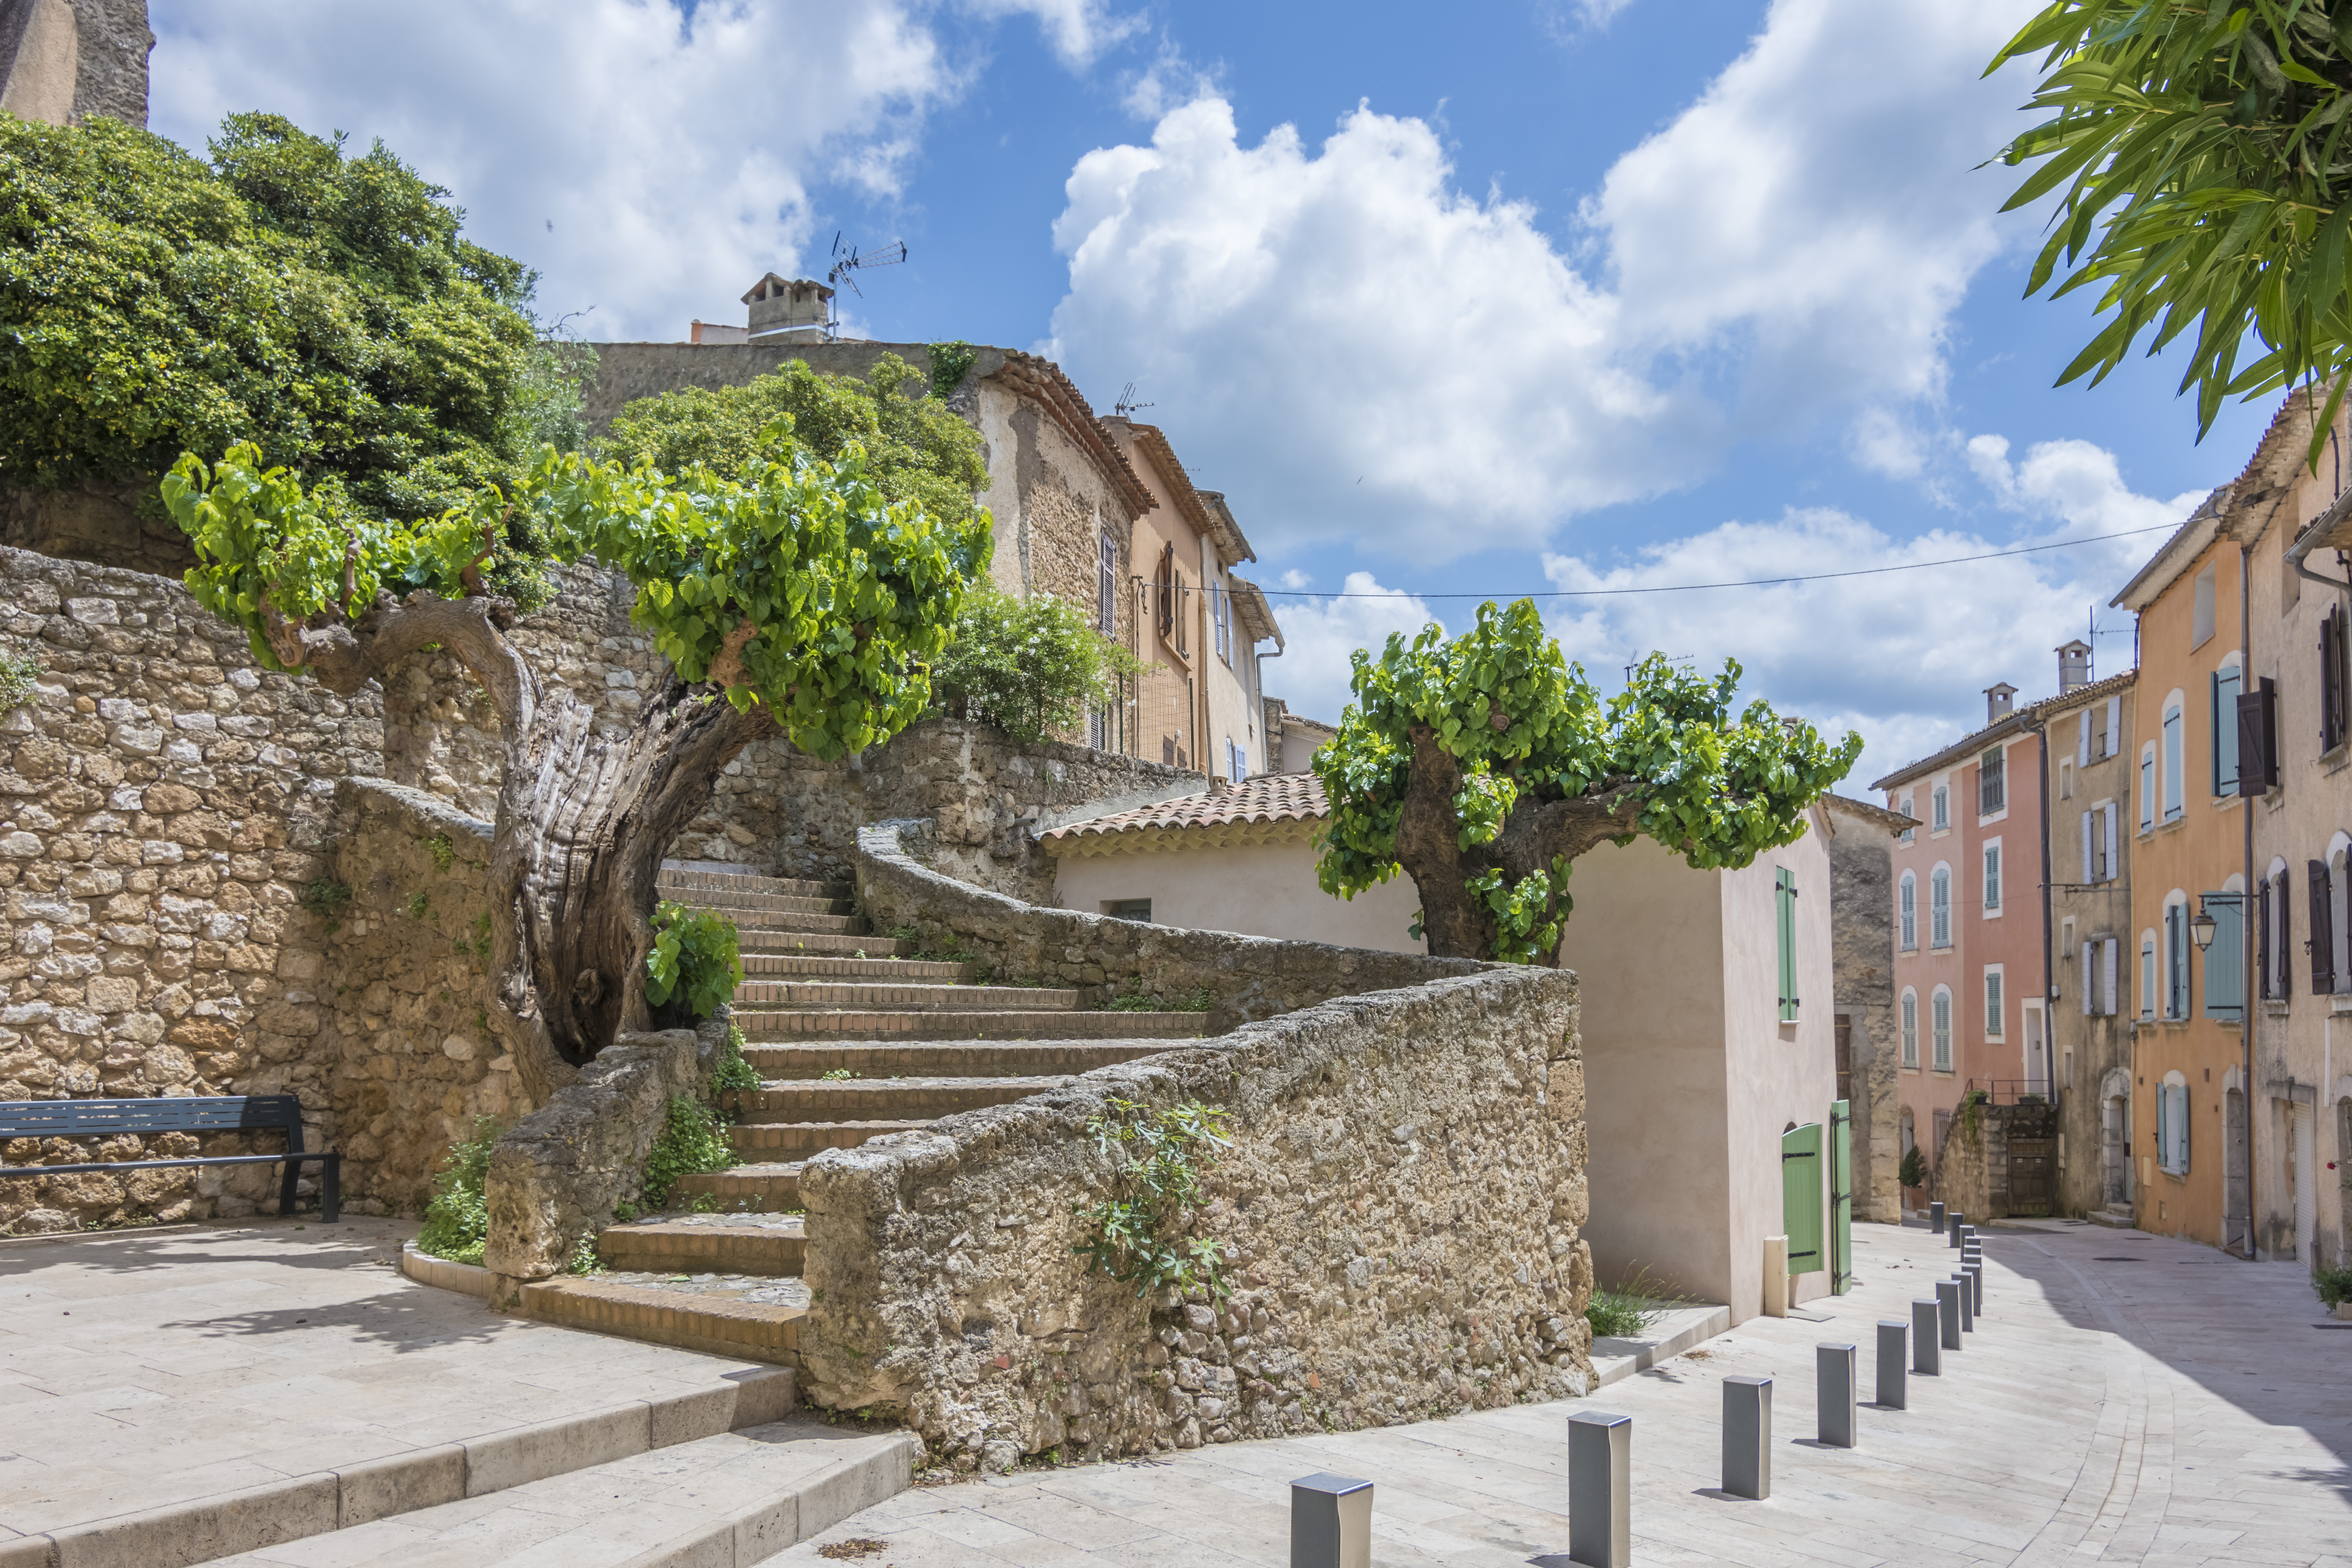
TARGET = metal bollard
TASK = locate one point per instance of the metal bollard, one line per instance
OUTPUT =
(1891, 1353)
(1600, 1489)
(1947, 1311)
(1936, 1218)
(1748, 1437)
(1926, 1339)
(1975, 1272)
(1330, 1523)
(1952, 1228)
(1833, 1393)
(1967, 1302)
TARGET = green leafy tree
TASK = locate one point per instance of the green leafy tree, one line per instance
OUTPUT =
(2202, 153)
(322, 306)
(793, 595)
(1029, 666)
(1483, 765)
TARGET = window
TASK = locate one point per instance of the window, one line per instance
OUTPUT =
(1907, 912)
(2334, 667)
(2202, 612)
(2225, 683)
(2172, 1123)
(2176, 959)
(2257, 720)
(1994, 1014)
(1236, 762)
(2272, 931)
(2066, 781)
(2099, 959)
(1911, 1030)
(2112, 738)
(2320, 877)
(1943, 809)
(1909, 833)
(2172, 761)
(1939, 1016)
(2225, 960)
(2147, 975)
(1128, 909)
(1992, 782)
(1784, 883)
(1221, 606)
(1106, 585)
(1992, 880)
(2147, 788)
(1939, 907)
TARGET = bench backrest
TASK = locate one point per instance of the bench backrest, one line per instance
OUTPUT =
(160, 1113)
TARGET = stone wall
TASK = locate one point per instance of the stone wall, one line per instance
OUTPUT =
(1862, 946)
(1973, 1174)
(163, 803)
(1402, 1201)
(1241, 978)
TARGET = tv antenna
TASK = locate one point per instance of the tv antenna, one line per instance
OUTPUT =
(1126, 404)
(848, 260)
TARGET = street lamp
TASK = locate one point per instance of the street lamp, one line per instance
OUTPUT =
(2200, 929)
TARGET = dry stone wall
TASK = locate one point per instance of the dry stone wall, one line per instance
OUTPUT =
(1403, 1202)
(163, 803)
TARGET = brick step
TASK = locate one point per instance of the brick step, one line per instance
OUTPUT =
(947, 1058)
(882, 1098)
(911, 997)
(799, 1140)
(672, 879)
(877, 1026)
(755, 1189)
(698, 1245)
(740, 907)
(783, 920)
(718, 1324)
(894, 971)
(817, 944)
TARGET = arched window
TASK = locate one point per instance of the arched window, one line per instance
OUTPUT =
(1907, 912)
(1939, 907)
(1911, 1029)
(1909, 833)
(1943, 809)
(2172, 1123)
(1940, 1012)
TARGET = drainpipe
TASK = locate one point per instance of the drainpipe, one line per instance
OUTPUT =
(2049, 980)
(2246, 903)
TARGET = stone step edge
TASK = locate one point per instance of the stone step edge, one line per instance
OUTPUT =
(759, 1530)
(661, 1317)
(201, 1529)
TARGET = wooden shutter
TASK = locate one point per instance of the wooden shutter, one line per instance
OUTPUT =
(2282, 969)
(2263, 938)
(1784, 892)
(2225, 960)
(2257, 738)
(2112, 869)
(2180, 1127)
(2110, 999)
(2323, 929)
(2090, 978)
(1800, 1197)
(2331, 679)
(2115, 726)
(2083, 741)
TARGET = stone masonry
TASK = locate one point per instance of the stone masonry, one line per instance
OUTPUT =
(1862, 932)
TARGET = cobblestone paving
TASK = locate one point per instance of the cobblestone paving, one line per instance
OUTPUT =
(2127, 1399)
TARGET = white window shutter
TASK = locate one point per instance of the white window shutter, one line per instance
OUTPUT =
(2090, 980)
(2113, 869)
(2087, 846)
(2115, 725)
(2110, 1002)
(2083, 740)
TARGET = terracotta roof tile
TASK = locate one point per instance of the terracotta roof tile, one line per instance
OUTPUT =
(1269, 797)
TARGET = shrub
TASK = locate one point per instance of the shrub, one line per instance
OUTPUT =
(1157, 1160)
(695, 966)
(458, 1218)
(690, 1142)
(2333, 1285)
(1913, 1172)
(734, 1072)
(1029, 667)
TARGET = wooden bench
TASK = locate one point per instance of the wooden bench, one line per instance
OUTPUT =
(177, 1113)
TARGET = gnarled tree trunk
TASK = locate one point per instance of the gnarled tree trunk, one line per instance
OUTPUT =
(582, 822)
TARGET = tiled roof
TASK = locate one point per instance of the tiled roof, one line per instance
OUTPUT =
(1266, 799)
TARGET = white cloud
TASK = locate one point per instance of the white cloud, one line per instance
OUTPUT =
(1319, 635)
(650, 165)
(1448, 376)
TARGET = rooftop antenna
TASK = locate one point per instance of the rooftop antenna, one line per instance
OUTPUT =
(848, 259)
(1126, 404)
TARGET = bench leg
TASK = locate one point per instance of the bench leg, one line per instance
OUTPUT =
(286, 1187)
(331, 1189)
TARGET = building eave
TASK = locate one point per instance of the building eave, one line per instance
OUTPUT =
(1256, 615)
(1894, 822)
(1041, 381)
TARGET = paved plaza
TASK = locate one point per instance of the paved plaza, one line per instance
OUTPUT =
(2125, 1399)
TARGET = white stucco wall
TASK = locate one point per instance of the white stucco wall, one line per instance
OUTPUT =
(1265, 889)
(1690, 1077)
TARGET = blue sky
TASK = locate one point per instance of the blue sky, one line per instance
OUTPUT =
(1498, 299)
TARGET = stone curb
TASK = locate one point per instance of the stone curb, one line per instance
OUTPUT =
(468, 1278)
(761, 1529)
(1647, 1353)
(180, 1535)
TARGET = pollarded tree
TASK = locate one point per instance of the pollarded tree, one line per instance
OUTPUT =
(1482, 766)
(792, 595)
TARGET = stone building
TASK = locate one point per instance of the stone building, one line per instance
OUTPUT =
(1861, 936)
(63, 59)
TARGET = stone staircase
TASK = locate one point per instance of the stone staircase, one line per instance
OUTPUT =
(2114, 1216)
(853, 1036)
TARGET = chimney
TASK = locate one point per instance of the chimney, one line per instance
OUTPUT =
(789, 311)
(2074, 666)
(1996, 701)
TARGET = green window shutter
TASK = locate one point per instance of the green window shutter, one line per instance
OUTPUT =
(1784, 892)
(1841, 1174)
(1801, 1197)
(2225, 960)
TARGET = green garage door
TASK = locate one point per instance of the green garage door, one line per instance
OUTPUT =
(1800, 1197)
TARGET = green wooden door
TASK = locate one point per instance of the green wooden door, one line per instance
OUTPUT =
(1800, 1197)
(1841, 1174)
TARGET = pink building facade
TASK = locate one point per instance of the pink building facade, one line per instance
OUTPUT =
(1971, 981)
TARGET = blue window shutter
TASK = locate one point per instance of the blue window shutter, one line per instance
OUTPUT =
(2225, 960)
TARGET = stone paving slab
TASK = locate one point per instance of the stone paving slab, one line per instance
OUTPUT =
(2179, 1408)
(141, 1370)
